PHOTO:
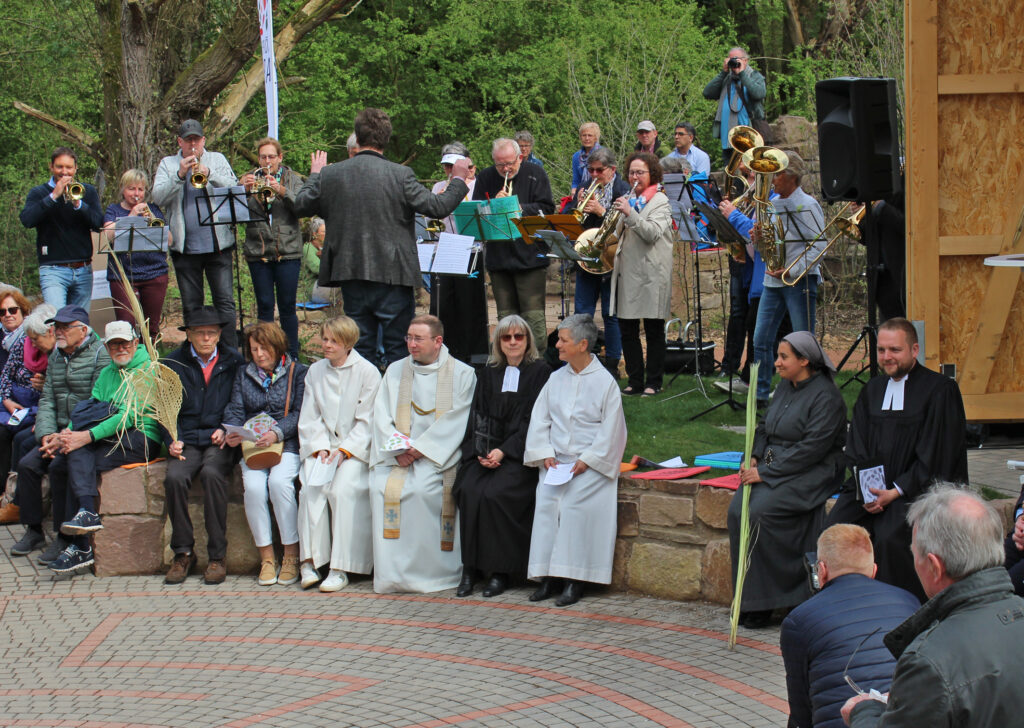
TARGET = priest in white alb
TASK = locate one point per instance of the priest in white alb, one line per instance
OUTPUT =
(334, 445)
(578, 434)
(419, 420)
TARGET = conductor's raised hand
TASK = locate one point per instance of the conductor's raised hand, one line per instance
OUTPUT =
(317, 161)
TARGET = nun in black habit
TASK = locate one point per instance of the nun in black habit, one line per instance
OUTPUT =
(495, 492)
(796, 464)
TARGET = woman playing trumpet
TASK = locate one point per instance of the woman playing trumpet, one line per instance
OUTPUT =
(146, 270)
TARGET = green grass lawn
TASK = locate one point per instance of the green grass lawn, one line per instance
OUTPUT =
(660, 427)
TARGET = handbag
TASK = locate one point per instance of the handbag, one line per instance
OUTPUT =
(264, 458)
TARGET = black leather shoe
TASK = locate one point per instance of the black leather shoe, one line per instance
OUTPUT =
(466, 585)
(571, 594)
(546, 590)
(497, 585)
(756, 620)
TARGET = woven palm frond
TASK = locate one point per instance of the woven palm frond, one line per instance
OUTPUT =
(141, 322)
(745, 546)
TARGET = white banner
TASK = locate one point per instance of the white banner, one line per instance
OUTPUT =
(266, 13)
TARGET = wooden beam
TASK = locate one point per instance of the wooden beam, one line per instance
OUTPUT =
(970, 244)
(1005, 407)
(922, 55)
(981, 83)
(983, 344)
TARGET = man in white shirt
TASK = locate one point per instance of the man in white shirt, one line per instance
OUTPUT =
(686, 148)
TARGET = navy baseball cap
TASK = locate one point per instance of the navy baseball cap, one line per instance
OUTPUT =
(70, 314)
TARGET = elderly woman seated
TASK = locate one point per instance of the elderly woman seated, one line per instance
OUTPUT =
(796, 465)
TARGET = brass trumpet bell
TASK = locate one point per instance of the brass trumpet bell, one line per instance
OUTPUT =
(198, 180)
(74, 191)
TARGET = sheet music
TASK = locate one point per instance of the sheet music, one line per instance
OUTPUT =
(452, 254)
(222, 213)
(144, 237)
(425, 251)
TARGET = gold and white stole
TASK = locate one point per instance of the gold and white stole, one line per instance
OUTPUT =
(396, 478)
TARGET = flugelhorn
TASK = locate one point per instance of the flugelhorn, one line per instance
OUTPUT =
(578, 213)
(742, 139)
(73, 191)
(845, 222)
(765, 163)
(261, 188)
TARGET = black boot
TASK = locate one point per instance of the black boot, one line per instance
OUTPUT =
(548, 587)
(756, 620)
(497, 585)
(612, 365)
(465, 587)
(571, 594)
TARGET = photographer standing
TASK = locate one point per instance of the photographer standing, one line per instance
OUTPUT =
(740, 91)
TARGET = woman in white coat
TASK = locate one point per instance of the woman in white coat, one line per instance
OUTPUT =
(334, 444)
(642, 279)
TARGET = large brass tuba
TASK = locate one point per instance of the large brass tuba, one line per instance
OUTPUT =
(742, 139)
(765, 163)
(600, 243)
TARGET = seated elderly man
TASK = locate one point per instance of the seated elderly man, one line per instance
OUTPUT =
(207, 370)
(73, 368)
(106, 431)
(840, 629)
(578, 433)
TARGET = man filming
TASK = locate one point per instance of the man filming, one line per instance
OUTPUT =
(740, 91)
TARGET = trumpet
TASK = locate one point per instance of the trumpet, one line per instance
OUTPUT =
(197, 179)
(742, 139)
(74, 191)
(766, 162)
(845, 222)
(578, 213)
(154, 221)
(507, 187)
(261, 189)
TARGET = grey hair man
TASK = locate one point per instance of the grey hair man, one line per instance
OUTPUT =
(577, 436)
(958, 656)
(352, 144)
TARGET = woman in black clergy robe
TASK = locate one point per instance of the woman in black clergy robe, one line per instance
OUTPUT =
(494, 490)
(796, 464)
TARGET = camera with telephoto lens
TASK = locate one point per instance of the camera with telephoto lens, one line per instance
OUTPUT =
(735, 64)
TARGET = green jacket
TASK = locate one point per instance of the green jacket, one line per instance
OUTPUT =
(753, 87)
(108, 388)
(69, 379)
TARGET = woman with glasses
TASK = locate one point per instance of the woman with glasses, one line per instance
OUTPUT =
(273, 246)
(494, 490)
(642, 279)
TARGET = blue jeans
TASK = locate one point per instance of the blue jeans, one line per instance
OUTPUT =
(379, 306)
(588, 288)
(280, 277)
(63, 286)
(800, 301)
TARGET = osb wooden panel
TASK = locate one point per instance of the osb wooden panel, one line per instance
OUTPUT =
(963, 280)
(980, 37)
(980, 155)
(1008, 372)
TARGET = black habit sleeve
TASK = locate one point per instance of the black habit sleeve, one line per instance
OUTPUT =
(940, 452)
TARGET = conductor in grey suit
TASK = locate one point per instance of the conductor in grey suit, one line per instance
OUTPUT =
(369, 205)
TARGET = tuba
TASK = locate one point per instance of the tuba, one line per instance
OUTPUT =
(600, 243)
(742, 139)
(765, 163)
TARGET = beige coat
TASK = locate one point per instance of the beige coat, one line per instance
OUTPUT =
(642, 280)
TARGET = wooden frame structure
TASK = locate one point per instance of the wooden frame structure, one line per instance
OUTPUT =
(965, 194)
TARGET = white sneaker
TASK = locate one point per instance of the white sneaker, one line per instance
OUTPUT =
(309, 575)
(335, 581)
(738, 386)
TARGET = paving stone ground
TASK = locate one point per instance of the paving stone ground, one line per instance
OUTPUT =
(130, 651)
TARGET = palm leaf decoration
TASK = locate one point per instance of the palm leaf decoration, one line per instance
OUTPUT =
(743, 557)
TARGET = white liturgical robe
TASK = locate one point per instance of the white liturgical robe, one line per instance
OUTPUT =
(577, 417)
(334, 517)
(415, 561)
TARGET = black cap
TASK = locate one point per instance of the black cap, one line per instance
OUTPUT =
(190, 127)
(203, 316)
(70, 314)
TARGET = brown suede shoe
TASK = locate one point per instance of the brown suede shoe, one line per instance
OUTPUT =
(180, 568)
(215, 572)
(9, 513)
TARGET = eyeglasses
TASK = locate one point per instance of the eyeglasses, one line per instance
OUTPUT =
(9, 311)
(506, 165)
(417, 339)
(64, 327)
(682, 133)
(268, 156)
(638, 172)
(846, 670)
(120, 344)
(596, 170)
(508, 337)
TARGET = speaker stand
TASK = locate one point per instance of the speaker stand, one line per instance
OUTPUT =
(869, 333)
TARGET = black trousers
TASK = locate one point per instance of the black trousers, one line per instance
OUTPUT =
(735, 332)
(217, 267)
(213, 466)
(639, 374)
(29, 495)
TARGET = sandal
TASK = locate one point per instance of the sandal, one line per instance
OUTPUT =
(629, 391)
(651, 391)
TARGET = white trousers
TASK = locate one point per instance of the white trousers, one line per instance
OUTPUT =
(334, 520)
(274, 485)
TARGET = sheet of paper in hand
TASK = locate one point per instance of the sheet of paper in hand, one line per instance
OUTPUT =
(397, 442)
(558, 474)
(872, 476)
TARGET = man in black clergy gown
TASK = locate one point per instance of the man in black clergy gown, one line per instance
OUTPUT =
(911, 422)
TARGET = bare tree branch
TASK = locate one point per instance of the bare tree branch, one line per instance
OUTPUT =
(69, 131)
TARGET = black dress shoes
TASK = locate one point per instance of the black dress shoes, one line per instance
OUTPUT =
(497, 585)
(756, 620)
(572, 593)
(465, 587)
(546, 590)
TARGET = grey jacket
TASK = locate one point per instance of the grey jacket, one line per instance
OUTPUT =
(369, 205)
(69, 379)
(169, 192)
(642, 279)
(281, 237)
(959, 658)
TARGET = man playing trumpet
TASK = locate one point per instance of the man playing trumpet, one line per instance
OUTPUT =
(197, 250)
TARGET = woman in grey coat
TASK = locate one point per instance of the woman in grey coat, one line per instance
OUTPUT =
(795, 466)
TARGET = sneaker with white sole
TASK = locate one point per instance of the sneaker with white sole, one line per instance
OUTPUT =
(84, 522)
(268, 573)
(309, 575)
(738, 386)
(335, 581)
(72, 559)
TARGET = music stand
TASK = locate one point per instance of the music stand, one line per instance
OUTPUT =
(133, 234)
(564, 251)
(237, 211)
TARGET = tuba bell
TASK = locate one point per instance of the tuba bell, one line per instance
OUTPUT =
(742, 139)
(765, 163)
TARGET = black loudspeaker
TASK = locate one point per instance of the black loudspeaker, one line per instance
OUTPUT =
(858, 145)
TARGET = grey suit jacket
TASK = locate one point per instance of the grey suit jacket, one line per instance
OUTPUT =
(369, 205)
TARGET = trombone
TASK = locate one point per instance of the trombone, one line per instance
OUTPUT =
(845, 222)
(578, 213)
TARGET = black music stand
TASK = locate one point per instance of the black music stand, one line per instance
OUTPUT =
(210, 209)
(133, 234)
(562, 250)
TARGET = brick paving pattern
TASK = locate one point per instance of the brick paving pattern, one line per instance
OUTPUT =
(130, 651)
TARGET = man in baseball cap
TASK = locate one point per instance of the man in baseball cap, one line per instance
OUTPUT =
(647, 139)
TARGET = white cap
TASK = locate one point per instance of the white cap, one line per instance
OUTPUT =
(118, 331)
(646, 125)
(451, 158)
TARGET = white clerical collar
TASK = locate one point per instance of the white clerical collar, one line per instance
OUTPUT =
(894, 389)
